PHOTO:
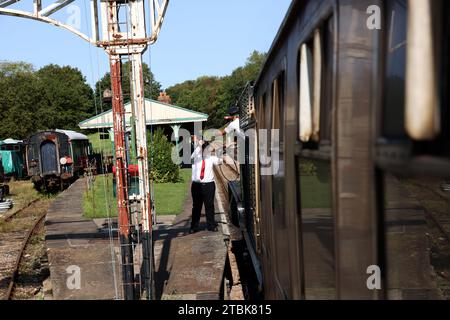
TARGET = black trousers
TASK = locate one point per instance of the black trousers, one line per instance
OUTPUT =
(203, 193)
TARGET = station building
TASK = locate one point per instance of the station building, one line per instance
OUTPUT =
(159, 114)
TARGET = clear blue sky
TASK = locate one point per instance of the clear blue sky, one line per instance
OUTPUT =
(199, 37)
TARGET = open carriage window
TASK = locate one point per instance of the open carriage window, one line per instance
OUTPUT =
(413, 196)
(313, 161)
(395, 69)
(315, 76)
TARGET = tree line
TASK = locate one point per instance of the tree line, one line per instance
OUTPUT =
(60, 97)
(51, 97)
(215, 95)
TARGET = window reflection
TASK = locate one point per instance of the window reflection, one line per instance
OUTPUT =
(317, 228)
(396, 15)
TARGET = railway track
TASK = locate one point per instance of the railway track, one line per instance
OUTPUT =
(439, 217)
(436, 205)
(16, 231)
(10, 216)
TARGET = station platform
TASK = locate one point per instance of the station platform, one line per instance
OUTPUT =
(190, 266)
(187, 266)
(76, 247)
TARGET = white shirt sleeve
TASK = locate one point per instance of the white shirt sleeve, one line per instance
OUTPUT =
(197, 152)
(233, 125)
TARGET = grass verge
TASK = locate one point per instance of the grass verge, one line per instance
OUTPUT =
(99, 201)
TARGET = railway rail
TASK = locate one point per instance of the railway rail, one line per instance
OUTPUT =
(10, 216)
(18, 229)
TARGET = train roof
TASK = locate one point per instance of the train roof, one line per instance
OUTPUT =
(73, 135)
(294, 7)
(11, 141)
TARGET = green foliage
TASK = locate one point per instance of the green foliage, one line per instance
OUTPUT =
(152, 87)
(52, 97)
(198, 95)
(307, 168)
(214, 95)
(8, 69)
(163, 169)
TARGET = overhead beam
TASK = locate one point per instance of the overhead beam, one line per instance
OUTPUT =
(94, 20)
(58, 5)
(157, 13)
(5, 3)
(27, 15)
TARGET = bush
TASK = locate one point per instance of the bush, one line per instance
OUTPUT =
(162, 168)
(307, 168)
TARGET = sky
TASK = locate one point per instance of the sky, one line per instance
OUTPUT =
(198, 37)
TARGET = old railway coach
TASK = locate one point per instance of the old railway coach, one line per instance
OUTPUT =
(359, 203)
(56, 157)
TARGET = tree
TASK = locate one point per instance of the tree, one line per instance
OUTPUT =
(152, 87)
(232, 86)
(69, 98)
(198, 95)
(52, 97)
(8, 69)
(214, 95)
(20, 99)
(162, 168)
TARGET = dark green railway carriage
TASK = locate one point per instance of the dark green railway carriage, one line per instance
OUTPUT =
(12, 153)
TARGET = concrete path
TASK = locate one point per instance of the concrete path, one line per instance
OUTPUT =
(189, 266)
(79, 254)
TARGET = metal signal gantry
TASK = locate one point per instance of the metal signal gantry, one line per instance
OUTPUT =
(123, 34)
(157, 12)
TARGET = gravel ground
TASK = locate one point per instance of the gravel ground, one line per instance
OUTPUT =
(33, 268)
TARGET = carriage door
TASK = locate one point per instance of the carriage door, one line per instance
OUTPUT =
(49, 159)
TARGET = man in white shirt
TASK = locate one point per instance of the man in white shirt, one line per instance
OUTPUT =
(203, 187)
(233, 127)
(232, 130)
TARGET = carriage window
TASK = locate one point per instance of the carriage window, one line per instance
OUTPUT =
(277, 103)
(279, 220)
(314, 184)
(277, 122)
(395, 55)
(327, 81)
(305, 93)
(262, 112)
(416, 215)
(316, 85)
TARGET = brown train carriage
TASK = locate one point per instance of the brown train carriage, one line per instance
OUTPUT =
(357, 207)
(56, 157)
